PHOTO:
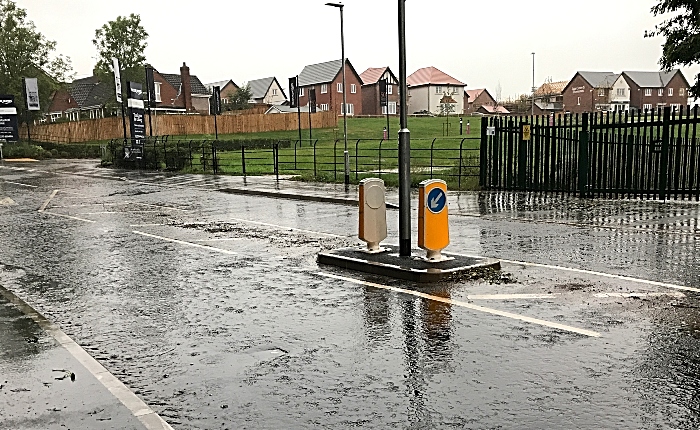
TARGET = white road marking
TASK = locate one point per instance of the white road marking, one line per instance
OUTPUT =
(67, 216)
(676, 294)
(182, 242)
(220, 239)
(121, 392)
(21, 184)
(290, 228)
(491, 311)
(46, 203)
(148, 225)
(607, 275)
(510, 296)
(117, 212)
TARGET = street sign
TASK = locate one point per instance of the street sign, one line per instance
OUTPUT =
(490, 131)
(117, 80)
(31, 88)
(525, 132)
(433, 227)
(8, 119)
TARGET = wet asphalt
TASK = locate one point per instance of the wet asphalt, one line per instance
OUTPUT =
(209, 305)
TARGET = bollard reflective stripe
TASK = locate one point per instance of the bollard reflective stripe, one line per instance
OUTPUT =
(433, 226)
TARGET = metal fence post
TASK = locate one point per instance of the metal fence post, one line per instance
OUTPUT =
(483, 152)
(665, 143)
(459, 172)
(243, 159)
(380, 157)
(275, 156)
(314, 149)
(583, 163)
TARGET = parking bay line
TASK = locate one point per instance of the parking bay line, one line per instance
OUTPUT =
(21, 184)
(478, 308)
(182, 242)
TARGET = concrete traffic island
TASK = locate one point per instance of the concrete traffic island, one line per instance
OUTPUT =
(414, 268)
(433, 237)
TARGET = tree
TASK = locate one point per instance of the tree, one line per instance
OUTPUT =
(240, 99)
(124, 39)
(25, 52)
(682, 33)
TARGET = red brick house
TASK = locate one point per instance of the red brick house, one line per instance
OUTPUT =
(370, 91)
(228, 88)
(474, 99)
(588, 92)
(327, 80)
(652, 90)
(88, 98)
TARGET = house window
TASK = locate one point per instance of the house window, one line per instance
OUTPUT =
(675, 106)
(578, 101)
(621, 92)
(353, 88)
(324, 106)
(681, 91)
(601, 92)
(647, 92)
(324, 89)
(438, 90)
(301, 92)
(351, 109)
(670, 92)
(392, 109)
(156, 86)
(647, 106)
(339, 88)
(389, 89)
(274, 91)
(661, 92)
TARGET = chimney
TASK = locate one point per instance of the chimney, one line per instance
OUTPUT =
(186, 87)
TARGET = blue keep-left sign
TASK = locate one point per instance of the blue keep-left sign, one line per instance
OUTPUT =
(436, 201)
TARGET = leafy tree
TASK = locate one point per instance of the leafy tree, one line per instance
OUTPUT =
(240, 99)
(124, 39)
(25, 52)
(682, 33)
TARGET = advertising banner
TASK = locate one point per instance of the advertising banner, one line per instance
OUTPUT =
(8, 119)
(31, 88)
(136, 121)
(117, 79)
(293, 92)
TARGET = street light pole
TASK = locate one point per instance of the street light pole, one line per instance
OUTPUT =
(404, 144)
(346, 155)
(533, 84)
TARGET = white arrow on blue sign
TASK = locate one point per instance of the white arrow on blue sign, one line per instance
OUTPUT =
(436, 200)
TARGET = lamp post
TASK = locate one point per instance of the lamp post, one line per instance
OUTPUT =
(533, 83)
(404, 144)
(346, 155)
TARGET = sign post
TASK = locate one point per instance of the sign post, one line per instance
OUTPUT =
(118, 93)
(294, 100)
(216, 107)
(151, 88)
(384, 101)
(8, 119)
(31, 91)
(136, 122)
(433, 227)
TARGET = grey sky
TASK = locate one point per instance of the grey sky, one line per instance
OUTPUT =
(482, 43)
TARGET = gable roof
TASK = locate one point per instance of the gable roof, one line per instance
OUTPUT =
(651, 79)
(373, 74)
(431, 76)
(494, 109)
(473, 94)
(553, 88)
(322, 73)
(599, 79)
(260, 87)
(175, 80)
(89, 91)
(220, 84)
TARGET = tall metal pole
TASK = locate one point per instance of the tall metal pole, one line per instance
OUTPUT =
(345, 102)
(533, 84)
(404, 144)
(296, 88)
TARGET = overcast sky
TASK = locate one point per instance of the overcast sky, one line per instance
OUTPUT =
(481, 43)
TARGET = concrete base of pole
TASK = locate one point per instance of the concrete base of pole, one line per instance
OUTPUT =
(411, 268)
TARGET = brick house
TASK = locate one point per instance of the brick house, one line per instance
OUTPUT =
(327, 80)
(646, 91)
(429, 85)
(88, 98)
(267, 91)
(588, 92)
(474, 99)
(370, 91)
(228, 88)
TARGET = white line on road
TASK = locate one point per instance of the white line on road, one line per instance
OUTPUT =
(46, 203)
(676, 294)
(510, 296)
(118, 212)
(67, 216)
(289, 228)
(182, 242)
(468, 306)
(607, 275)
(139, 409)
(21, 185)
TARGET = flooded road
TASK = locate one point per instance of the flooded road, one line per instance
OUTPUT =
(211, 308)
